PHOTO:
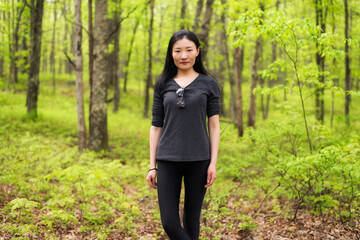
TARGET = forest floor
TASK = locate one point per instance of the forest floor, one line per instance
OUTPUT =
(104, 195)
(267, 225)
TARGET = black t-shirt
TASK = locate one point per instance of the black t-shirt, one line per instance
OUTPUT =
(184, 135)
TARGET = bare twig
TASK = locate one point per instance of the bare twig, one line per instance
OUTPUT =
(70, 60)
(119, 22)
(141, 200)
(262, 201)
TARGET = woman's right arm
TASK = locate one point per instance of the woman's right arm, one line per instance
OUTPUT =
(155, 133)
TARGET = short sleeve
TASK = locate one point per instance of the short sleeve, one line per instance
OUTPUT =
(213, 101)
(157, 110)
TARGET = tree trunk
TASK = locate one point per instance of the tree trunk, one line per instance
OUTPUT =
(225, 53)
(115, 63)
(199, 7)
(183, 12)
(24, 47)
(79, 71)
(221, 71)
(67, 65)
(149, 77)
(347, 66)
(335, 80)
(273, 59)
(52, 54)
(253, 81)
(232, 102)
(239, 65)
(44, 63)
(261, 79)
(12, 49)
(205, 28)
(98, 130)
(37, 8)
(127, 62)
(72, 49)
(270, 82)
(16, 42)
(91, 58)
(320, 61)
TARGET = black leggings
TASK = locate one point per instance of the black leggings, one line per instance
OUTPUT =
(169, 178)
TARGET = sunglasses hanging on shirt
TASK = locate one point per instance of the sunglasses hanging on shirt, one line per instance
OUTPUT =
(180, 98)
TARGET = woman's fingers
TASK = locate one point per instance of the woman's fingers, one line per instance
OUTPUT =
(210, 179)
(151, 178)
(211, 175)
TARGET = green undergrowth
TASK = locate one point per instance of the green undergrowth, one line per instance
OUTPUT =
(48, 187)
(50, 190)
(52, 186)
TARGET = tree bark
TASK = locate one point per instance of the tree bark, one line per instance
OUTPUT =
(273, 59)
(183, 13)
(24, 47)
(44, 63)
(99, 134)
(225, 53)
(347, 66)
(68, 67)
(270, 82)
(205, 28)
(127, 62)
(254, 79)
(232, 102)
(37, 9)
(320, 61)
(12, 49)
(91, 59)
(72, 49)
(239, 65)
(149, 76)
(16, 42)
(79, 82)
(199, 7)
(116, 62)
(221, 71)
(335, 80)
(52, 54)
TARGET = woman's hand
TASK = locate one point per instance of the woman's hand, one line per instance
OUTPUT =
(151, 178)
(211, 175)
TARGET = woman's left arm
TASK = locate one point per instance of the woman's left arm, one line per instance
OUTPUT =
(214, 133)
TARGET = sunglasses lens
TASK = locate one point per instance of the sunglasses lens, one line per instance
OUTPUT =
(180, 92)
(180, 103)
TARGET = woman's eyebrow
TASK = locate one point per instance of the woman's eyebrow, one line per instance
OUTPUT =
(184, 47)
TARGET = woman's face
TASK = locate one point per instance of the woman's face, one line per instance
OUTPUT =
(184, 53)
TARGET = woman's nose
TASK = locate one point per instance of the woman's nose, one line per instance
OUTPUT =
(183, 55)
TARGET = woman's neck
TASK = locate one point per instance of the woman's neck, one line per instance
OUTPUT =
(186, 74)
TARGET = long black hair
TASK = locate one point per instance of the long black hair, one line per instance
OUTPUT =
(170, 68)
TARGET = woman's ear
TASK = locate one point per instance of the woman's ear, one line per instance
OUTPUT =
(198, 51)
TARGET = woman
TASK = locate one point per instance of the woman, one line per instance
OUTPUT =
(179, 142)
